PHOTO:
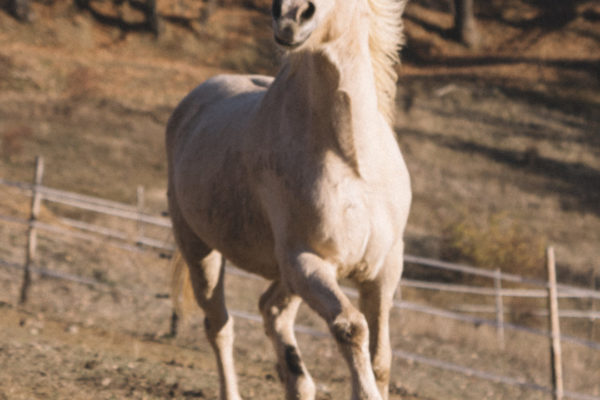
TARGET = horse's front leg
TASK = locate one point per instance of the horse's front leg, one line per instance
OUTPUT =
(314, 279)
(376, 300)
(279, 308)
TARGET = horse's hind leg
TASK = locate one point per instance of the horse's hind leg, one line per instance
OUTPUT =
(279, 308)
(207, 277)
(207, 270)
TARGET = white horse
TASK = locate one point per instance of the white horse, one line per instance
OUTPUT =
(299, 179)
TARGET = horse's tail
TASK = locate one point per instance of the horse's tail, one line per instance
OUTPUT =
(182, 294)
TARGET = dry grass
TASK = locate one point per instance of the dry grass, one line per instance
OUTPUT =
(13, 139)
(512, 142)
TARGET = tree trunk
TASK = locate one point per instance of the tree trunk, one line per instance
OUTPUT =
(465, 27)
(21, 11)
(152, 18)
(210, 6)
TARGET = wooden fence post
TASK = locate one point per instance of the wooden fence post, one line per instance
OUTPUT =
(592, 330)
(174, 324)
(140, 210)
(36, 199)
(555, 348)
(499, 307)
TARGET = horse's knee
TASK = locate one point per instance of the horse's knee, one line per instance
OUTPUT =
(278, 311)
(350, 330)
(219, 332)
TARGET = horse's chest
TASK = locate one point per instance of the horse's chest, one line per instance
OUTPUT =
(322, 206)
(354, 233)
(342, 220)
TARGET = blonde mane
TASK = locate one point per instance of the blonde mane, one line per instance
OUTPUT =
(385, 40)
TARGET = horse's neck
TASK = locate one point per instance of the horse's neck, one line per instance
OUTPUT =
(336, 87)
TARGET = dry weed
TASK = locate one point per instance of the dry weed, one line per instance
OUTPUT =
(6, 65)
(500, 242)
(13, 138)
(81, 83)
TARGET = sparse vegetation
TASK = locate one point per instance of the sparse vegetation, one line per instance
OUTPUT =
(81, 84)
(13, 140)
(500, 242)
(6, 65)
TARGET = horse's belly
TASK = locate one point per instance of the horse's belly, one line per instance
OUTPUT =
(242, 239)
(219, 208)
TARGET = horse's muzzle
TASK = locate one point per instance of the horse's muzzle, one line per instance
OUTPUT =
(293, 22)
(289, 44)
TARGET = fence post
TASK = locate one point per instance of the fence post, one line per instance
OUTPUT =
(36, 199)
(140, 210)
(555, 348)
(592, 322)
(499, 307)
(174, 324)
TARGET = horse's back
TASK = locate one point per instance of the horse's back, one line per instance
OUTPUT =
(213, 102)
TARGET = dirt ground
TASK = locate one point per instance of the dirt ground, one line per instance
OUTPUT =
(512, 130)
(111, 341)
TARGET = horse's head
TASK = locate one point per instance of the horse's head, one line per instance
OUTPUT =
(295, 21)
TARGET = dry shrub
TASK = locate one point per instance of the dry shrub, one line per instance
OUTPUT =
(81, 83)
(13, 138)
(6, 66)
(500, 242)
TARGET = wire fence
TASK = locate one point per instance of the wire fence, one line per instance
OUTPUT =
(139, 242)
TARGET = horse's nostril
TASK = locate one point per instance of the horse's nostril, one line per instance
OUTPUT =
(308, 13)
